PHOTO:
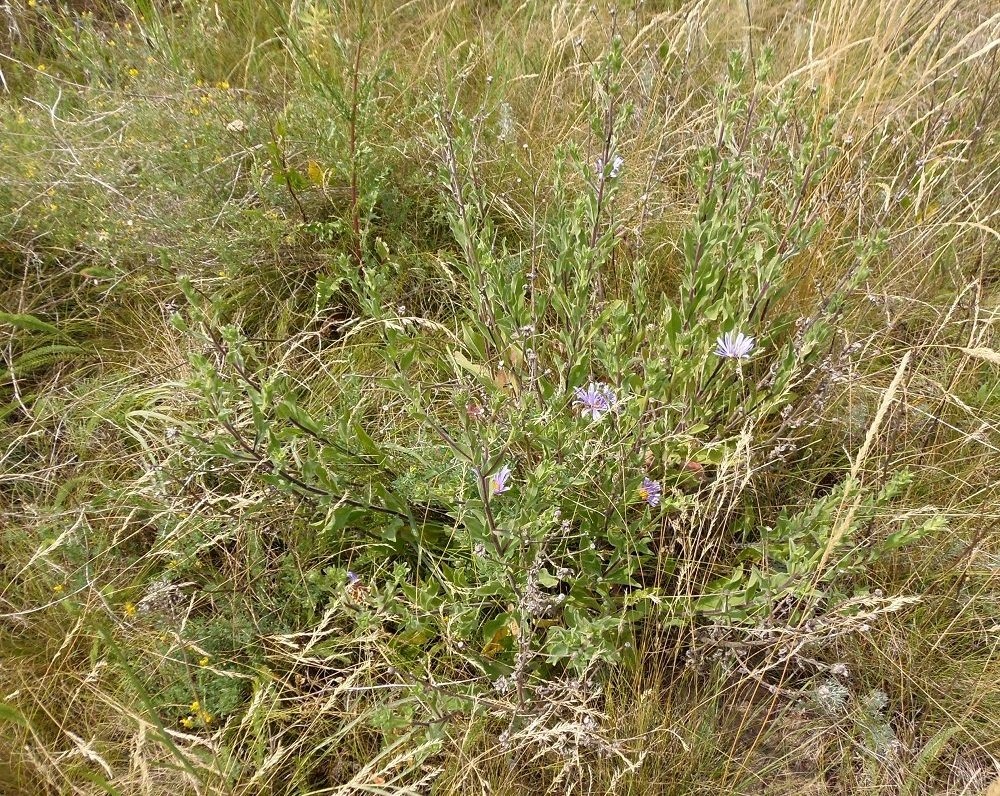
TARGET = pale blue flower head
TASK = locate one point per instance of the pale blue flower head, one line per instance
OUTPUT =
(596, 400)
(500, 481)
(734, 345)
(650, 491)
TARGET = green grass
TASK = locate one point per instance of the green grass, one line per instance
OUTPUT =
(254, 149)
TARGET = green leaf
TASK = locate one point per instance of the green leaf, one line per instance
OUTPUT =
(11, 714)
(547, 579)
(368, 445)
(29, 322)
(467, 365)
(287, 410)
(37, 359)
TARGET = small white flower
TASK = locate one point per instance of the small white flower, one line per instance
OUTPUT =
(616, 166)
(734, 345)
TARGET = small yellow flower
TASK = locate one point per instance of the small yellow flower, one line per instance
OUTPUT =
(32, 3)
(194, 111)
(203, 661)
(205, 716)
(188, 721)
(59, 588)
(133, 72)
(41, 67)
(130, 610)
(195, 706)
(206, 100)
(222, 84)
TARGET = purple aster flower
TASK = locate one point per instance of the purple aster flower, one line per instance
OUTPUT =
(650, 491)
(597, 400)
(352, 579)
(500, 481)
(734, 345)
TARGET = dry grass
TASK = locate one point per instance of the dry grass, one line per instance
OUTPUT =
(117, 183)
